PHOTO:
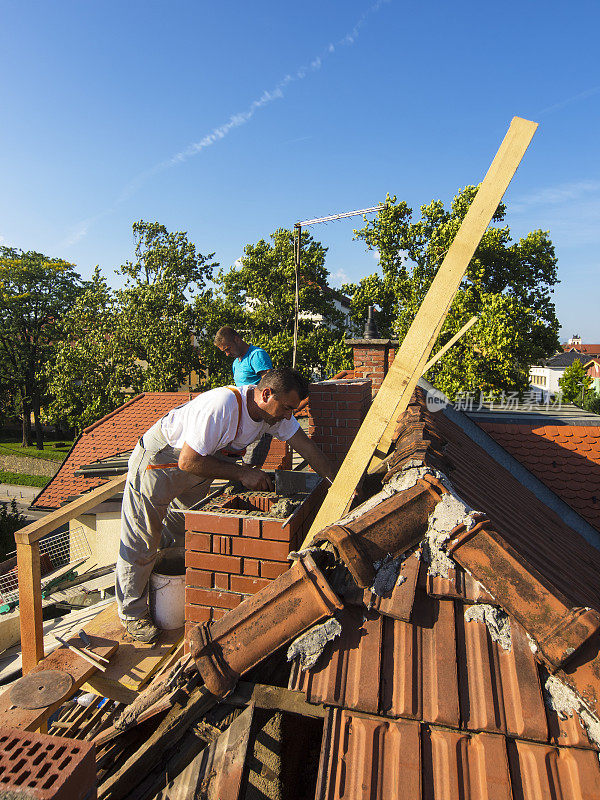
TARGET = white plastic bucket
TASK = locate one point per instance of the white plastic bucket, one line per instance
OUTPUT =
(167, 589)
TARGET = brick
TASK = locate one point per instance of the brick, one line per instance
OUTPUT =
(213, 562)
(223, 524)
(36, 765)
(273, 569)
(211, 597)
(221, 580)
(273, 529)
(260, 548)
(197, 614)
(198, 577)
(247, 585)
(251, 527)
(251, 567)
(198, 541)
(222, 545)
(218, 613)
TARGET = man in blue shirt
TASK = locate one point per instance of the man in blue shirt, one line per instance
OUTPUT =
(249, 364)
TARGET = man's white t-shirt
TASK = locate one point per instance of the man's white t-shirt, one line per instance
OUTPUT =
(209, 422)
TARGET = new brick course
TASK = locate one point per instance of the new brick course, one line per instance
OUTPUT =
(231, 555)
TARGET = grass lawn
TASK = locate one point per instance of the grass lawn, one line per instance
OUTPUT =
(23, 480)
(49, 453)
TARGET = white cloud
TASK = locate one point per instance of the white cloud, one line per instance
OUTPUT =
(553, 195)
(341, 276)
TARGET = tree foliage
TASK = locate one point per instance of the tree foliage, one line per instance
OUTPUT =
(135, 339)
(507, 284)
(35, 290)
(576, 384)
(262, 288)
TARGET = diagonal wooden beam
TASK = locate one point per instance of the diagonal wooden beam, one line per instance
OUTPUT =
(388, 435)
(397, 388)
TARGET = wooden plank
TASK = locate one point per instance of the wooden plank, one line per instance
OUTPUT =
(30, 719)
(135, 663)
(53, 520)
(275, 698)
(30, 604)
(388, 435)
(398, 385)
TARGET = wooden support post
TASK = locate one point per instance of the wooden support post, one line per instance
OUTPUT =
(30, 604)
(398, 385)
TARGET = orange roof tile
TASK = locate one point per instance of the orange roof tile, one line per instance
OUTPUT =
(112, 435)
(565, 458)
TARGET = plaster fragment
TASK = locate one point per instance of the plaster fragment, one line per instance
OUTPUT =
(566, 702)
(496, 620)
(448, 513)
(309, 645)
(387, 575)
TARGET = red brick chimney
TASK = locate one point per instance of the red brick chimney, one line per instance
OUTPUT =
(373, 358)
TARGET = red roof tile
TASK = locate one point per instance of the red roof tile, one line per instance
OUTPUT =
(112, 435)
(566, 459)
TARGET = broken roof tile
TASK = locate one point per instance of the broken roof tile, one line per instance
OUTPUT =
(559, 629)
(391, 527)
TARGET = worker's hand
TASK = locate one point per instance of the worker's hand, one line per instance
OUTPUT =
(254, 478)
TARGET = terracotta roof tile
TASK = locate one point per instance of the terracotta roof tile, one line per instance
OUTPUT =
(112, 435)
(565, 458)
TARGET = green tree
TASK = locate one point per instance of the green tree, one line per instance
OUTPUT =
(262, 286)
(35, 292)
(135, 339)
(576, 384)
(507, 284)
(11, 520)
(93, 367)
(155, 315)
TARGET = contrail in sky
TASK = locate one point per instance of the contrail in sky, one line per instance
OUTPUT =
(568, 101)
(235, 121)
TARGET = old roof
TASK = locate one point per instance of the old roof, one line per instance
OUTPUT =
(565, 359)
(589, 349)
(426, 697)
(114, 434)
(565, 457)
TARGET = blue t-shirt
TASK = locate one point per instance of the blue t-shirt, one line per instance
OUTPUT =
(246, 369)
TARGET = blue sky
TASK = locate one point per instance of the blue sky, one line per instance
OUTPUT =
(231, 119)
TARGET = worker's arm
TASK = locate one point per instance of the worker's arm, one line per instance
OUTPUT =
(215, 467)
(315, 457)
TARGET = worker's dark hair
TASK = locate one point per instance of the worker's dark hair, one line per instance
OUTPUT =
(225, 334)
(284, 380)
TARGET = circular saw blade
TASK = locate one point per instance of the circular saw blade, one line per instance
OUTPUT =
(41, 689)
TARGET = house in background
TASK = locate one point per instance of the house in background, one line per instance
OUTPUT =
(575, 343)
(544, 377)
(592, 367)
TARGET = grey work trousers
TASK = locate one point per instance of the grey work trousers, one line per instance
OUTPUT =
(152, 503)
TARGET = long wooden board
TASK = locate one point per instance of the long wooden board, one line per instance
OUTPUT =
(29, 719)
(134, 664)
(399, 384)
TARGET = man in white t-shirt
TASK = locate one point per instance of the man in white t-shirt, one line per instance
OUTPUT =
(174, 463)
